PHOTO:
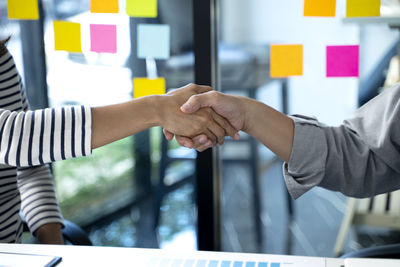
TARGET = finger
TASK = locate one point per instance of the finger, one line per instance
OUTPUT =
(218, 131)
(229, 129)
(204, 147)
(184, 141)
(168, 135)
(200, 140)
(211, 136)
(195, 102)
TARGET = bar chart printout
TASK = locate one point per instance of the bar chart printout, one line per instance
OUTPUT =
(239, 260)
(213, 263)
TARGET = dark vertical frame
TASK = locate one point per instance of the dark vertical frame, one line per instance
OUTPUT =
(142, 173)
(208, 178)
(35, 72)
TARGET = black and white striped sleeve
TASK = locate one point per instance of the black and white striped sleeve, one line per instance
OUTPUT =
(39, 204)
(33, 138)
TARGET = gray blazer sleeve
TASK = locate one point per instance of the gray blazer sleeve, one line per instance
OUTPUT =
(359, 158)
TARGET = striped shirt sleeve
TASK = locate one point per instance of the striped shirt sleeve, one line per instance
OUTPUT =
(39, 204)
(27, 140)
(36, 137)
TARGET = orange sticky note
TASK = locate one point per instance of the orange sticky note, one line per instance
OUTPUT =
(104, 6)
(286, 60)
(319, 8)
(363, 8)
(145, 86)
(23, 9)
(141, 8)
(67, 36)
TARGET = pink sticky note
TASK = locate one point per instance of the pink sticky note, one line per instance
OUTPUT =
(103, 38)
(342, 61)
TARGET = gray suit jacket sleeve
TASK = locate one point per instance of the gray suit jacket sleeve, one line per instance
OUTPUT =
(359, 158)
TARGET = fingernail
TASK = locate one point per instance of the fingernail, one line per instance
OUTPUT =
(202, 140)
(237, 136)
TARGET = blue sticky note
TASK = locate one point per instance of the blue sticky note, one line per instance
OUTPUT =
(153, 41)
(188, 263)
(201, 263)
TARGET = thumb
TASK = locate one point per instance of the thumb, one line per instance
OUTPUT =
(196, 102)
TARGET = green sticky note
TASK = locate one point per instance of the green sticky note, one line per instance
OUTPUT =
(67, 36)
(141, 8)
(23, 9)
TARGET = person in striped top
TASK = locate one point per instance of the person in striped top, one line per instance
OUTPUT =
(30, 139)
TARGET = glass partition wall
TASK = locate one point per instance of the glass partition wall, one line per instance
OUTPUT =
(138, 191)
(143, 191)
(257, 213)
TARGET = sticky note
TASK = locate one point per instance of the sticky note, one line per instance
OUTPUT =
(342, 61)
(23, 9)
(104, 6)
(141, 8)
(319, 8)
(286, 60)
(153, 41)
(145, 86)
(103, 38)
(363, 8)
(67, 36)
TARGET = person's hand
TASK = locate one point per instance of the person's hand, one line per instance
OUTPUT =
(228, 106)
(203, 121)
(50, 233)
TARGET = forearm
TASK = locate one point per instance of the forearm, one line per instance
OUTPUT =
(272, 128)
(111, 123)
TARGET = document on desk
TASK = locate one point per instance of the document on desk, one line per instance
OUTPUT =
(27, 260)
(222, 259)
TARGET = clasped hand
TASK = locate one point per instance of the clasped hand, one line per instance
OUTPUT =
(197, 126)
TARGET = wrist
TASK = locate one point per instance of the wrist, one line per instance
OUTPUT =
(247, 109)
(153, 110)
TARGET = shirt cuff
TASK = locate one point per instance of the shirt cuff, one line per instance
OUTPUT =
(306, 166)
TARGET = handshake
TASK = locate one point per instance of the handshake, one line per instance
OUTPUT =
(200, 118)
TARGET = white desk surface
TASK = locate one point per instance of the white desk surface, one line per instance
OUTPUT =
(112, 256)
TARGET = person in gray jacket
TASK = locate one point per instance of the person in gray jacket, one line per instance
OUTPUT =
(359, 158)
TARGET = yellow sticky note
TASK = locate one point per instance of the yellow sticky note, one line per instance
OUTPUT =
(319, 8)
(141, 8)
(145, 86)
(286, 60)
(67, 36)
(363, 8)
(104, 6)
(23, 9)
